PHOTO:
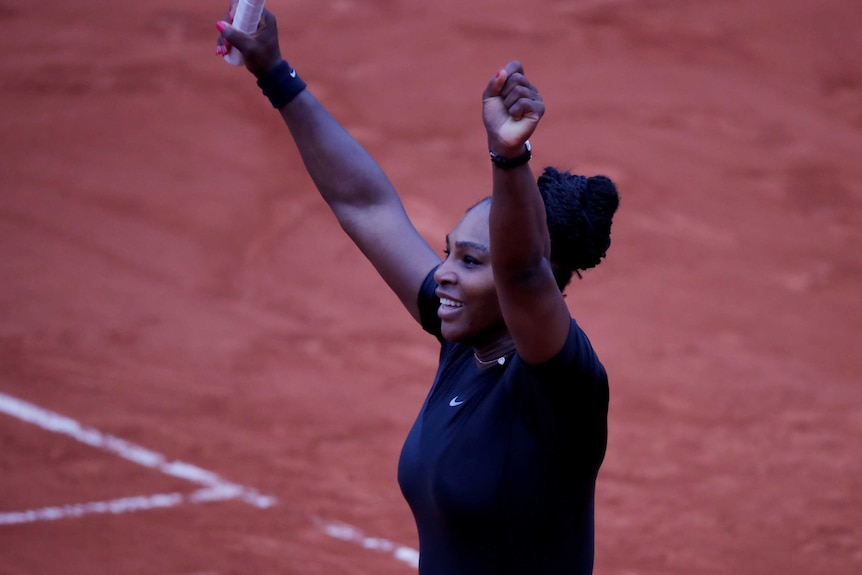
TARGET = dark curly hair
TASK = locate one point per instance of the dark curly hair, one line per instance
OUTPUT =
(579, 213)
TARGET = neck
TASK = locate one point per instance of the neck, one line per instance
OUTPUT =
(497, 353)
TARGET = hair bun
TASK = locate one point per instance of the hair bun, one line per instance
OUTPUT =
(579, 213)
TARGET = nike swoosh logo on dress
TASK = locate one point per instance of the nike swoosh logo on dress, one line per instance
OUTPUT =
(454, 402)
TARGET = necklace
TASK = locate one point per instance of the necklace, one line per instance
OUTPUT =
(500, 360)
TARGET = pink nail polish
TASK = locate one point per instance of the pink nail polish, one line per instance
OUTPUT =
(220, 26)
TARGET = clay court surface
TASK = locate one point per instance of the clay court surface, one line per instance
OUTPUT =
(200, 375)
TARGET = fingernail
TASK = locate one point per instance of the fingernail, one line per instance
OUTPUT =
(220, 26)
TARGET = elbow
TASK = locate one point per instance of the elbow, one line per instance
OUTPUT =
(524, 276)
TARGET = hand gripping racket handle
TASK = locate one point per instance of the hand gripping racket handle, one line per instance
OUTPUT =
(245, 20)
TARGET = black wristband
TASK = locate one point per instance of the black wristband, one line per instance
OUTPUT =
(281, 84)
(506, 163)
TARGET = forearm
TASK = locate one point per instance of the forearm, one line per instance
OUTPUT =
(347, 176)
(518, 226)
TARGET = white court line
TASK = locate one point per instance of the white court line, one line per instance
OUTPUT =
(347, 532)
(123, 505)
(135, 453)
(214, 488)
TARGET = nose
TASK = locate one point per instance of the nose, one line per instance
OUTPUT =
(445, 273)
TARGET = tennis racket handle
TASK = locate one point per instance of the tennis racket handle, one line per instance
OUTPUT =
(245, 20)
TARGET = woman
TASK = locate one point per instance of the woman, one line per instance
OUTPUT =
(500, 466)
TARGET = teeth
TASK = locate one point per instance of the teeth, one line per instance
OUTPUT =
(449, 302)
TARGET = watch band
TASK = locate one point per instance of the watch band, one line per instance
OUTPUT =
(507, 163)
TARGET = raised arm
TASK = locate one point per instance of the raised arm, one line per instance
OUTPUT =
(533, 306)
(347, 177)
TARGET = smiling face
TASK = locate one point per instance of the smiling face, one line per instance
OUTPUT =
(469, 309)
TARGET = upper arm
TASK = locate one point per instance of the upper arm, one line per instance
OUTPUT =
(532, 304)
(387, 237)
(535, 312)
(361, 198)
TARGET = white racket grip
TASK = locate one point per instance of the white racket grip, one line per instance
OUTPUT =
(245, 20)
